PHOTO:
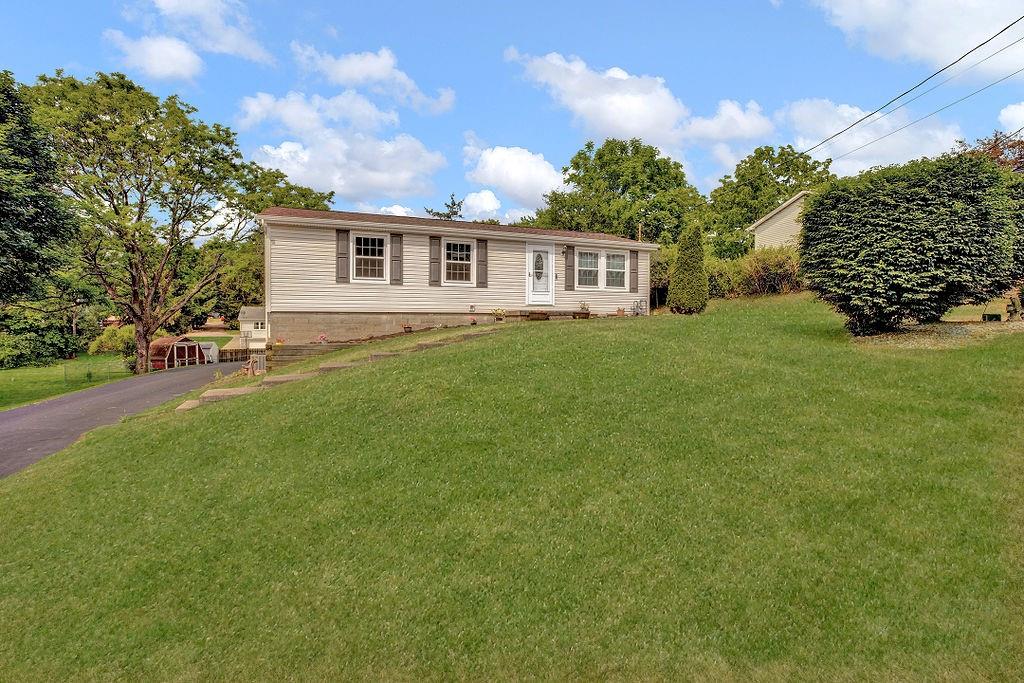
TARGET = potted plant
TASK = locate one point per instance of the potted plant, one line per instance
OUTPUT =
(472, 321)
(322, 339)
(583, 313)
(407, 327)
(621, 312)
(499, 314)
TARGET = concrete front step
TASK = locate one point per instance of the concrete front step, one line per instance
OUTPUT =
(481, 333)
(422, 346)
(381, 355)
(271, 380)
(188, 405)
(223, 394)
(339, 365)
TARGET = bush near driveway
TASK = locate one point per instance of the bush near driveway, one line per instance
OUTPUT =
(910, 242)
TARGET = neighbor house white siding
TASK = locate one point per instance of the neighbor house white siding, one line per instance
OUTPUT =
(301, 277)
(781, 229)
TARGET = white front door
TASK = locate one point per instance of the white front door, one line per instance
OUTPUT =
(540, 276)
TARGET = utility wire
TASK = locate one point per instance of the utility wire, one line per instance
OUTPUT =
(937, 86)
(907, 92)
(928, 116)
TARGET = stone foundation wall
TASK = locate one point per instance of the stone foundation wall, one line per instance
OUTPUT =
(302, 328)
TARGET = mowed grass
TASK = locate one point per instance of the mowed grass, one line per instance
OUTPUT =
(747, 494)
(19, 386)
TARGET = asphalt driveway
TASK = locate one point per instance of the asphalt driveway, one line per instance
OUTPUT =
(32, 432)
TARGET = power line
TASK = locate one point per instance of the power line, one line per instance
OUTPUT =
(939, 85)
(928, 116)
(907, 92)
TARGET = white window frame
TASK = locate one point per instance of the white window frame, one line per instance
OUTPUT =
(387, 257)
(259, 326)
(587, 250)
(444, 263)
(625, 270)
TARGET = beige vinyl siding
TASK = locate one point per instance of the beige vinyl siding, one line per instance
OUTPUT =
(782, 229)
(301, 262)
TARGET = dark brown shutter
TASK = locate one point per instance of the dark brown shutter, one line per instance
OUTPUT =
(435, 262)
(341, 252)
(634, 271)
(481, 263)
(396, 259)
(570, 269)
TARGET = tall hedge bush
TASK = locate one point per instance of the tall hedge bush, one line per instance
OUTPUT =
(688, 284)
(910, 242)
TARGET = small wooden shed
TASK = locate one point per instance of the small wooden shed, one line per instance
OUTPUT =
(174, 352)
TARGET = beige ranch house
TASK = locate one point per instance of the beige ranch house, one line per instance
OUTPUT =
(349, 275)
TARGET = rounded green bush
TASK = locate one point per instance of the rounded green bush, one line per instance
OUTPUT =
(910, 242)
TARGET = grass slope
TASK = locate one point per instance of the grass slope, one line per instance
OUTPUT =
(28, 385)
(745, 494)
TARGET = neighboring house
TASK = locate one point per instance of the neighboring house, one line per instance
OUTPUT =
(252, 323)
(781, 227)
(351, 275)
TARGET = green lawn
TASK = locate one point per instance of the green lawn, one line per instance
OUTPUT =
(28, 385)
(219, 340)
(747, 494)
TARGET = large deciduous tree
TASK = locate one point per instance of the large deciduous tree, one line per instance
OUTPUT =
(148, 181)
(761, 182)
(33, 217)
(623, 187)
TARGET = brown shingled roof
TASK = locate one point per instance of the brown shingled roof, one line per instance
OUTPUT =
(284, 212)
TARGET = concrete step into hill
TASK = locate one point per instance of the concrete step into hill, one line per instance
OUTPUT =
(224, 394)
(339, 365)
(271, 380)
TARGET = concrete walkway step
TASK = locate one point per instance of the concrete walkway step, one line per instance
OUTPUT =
(271, 380)
(381, 355)
(339, 365)
(481, 333)
(222, 394)
(422, 346)
(188, 405)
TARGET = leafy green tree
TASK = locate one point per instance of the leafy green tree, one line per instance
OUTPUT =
(761, 182)
(688, 284)
(33, 217)
(452, 209)
(240, 278)
(625, 188)
(910, 242)
(148, 180)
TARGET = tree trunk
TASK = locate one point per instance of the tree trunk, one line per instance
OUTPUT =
(142, 337)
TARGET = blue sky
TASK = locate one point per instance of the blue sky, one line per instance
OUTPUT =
(393, 105)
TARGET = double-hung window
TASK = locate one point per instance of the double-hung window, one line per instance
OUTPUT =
(587, 268)
(259, 325)
(615, 270)
(458, 262)
(369, 257)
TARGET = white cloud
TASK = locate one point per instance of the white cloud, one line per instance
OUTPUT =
(812, 120)
(514, 215)
(731, 121)
(725, 155)
(610, 103)
(378, 70)
(307, 115)
(220, 26)
(396, 210)
(482, 204)
(329, 145)
(615, 103)
(157, 56)
(931, 31)
(523, 175)
(1011, 118)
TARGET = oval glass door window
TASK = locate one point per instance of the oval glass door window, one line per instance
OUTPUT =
(538, 266)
